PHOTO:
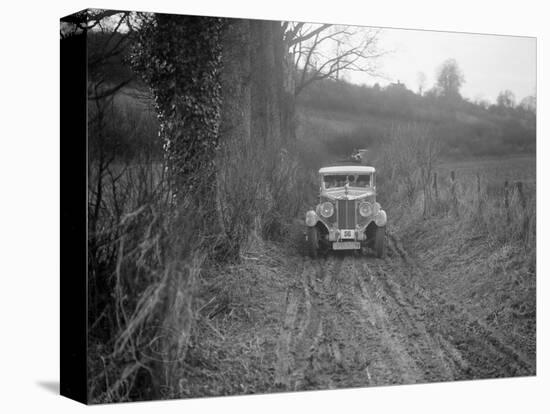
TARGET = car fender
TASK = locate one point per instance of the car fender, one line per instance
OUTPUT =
(381, 218)
(311, 218)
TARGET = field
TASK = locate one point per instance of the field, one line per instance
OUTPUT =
(496, 169)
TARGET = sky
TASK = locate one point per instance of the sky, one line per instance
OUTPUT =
(490, 63)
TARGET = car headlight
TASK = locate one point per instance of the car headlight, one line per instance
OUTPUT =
(326, 209)
(365, 209)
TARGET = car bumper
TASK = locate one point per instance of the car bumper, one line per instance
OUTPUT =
(346, 245)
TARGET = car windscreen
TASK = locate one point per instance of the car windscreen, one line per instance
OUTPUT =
(354, 180)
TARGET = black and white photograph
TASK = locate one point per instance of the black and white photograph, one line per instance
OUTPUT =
(280, 206)
(274, 207)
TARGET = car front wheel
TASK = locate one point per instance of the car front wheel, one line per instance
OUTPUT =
(312, 241)
(380, 242)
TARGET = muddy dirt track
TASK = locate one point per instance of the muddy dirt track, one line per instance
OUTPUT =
(354, 320)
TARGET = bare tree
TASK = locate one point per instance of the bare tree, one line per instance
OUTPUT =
(107, 35)
(87, 19)
(110, 39)
(323, 51)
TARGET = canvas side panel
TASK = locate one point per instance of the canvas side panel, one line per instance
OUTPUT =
(73, 169)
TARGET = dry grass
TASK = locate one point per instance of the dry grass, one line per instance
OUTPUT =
(260, 192)
(144, 269)
(492, 199)
(158, 287)
(144, 328)
(481, 250)
(238, 319)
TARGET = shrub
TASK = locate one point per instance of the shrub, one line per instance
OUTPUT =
(260, 192)
(145, 263)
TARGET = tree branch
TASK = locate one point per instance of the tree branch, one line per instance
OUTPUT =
(350, 54)
(308, 35)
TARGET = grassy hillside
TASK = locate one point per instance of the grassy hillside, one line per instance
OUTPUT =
(336, 117)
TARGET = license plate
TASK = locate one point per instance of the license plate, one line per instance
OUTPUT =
(349, 245)
(347, 234)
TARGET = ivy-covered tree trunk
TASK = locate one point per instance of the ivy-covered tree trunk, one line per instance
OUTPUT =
(179, 57)
(230, 78)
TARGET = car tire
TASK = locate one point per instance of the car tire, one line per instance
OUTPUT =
(312, 242)
(380, 242)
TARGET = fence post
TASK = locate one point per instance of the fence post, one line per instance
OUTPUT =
(523, 201)
(435, 187)
(519, 186)
(454, 199)
(507, 202)
(479, 199)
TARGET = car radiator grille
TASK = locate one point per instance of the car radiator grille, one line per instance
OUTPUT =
(346, 214)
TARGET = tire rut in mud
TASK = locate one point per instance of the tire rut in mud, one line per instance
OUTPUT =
(355, 320)
(416, 354)
(349, 331)
(321, 348)
(475, 350)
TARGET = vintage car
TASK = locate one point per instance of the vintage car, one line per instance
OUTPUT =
(347, 216)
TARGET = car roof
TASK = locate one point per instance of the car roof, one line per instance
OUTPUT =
(347, 169)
